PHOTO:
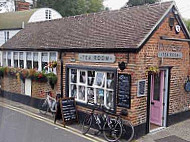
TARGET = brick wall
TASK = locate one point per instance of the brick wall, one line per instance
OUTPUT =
(13, 85)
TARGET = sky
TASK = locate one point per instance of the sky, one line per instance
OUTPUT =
(183, 6)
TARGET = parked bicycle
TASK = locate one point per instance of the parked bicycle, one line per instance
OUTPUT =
(102, 123)
(48, 104)
(112, 129)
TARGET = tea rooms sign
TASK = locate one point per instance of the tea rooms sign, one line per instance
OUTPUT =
(98, 58)
(169, 51)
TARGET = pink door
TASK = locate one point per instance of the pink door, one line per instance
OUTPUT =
(156, 107)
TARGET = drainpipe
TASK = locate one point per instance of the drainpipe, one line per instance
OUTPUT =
(61, 83)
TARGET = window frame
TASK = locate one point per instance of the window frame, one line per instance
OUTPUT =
(12, 59)
(87, 68)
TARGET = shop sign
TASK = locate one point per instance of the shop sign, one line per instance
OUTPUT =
(169, 51)
(164, 54)
(98, 58)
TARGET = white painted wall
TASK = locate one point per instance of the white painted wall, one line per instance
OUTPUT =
(11, 34)
(40, 15)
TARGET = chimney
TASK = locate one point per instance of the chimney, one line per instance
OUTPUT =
(22, 5)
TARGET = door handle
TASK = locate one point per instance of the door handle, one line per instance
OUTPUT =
(152, 103)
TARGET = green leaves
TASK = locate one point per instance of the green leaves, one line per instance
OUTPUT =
(187, 22)
(72, 7)
(140, 2)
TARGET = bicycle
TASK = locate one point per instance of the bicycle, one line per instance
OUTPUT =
(103, 124)
(48, 104)
(127, 127)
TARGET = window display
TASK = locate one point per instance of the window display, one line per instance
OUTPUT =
(92, 86)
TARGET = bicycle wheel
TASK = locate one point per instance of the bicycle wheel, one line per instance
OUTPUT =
(87, 122)
(112, 130)
(128, 130)
(43, 106)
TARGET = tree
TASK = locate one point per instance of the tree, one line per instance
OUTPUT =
(72, 7)
(140, 2)
(187, 22)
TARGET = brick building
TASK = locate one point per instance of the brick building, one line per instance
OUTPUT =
(132, 59)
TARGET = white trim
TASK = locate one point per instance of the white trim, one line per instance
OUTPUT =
(40, 61)
(165, 99)
(147, 35)
(24, 57)
(12, 59)
(1, 58)
(157, 129)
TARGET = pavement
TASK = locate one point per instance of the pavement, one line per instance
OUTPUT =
(179, 132)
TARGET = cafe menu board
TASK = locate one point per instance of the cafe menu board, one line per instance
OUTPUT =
(124, 90)
(68, 110)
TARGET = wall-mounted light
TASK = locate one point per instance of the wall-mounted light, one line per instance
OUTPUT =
(171, 22)
(122, 65)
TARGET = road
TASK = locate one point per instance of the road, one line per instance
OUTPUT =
(18, 127)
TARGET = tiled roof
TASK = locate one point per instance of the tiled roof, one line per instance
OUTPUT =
(125, 28)
(14, 20)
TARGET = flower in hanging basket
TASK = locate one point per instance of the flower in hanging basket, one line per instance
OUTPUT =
(152, 70)
(31, 73)
(52, 64)
(40, 77)
(24, 74)
(52, 79)
(12, 71)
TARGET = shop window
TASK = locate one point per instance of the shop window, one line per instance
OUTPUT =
(82, 77)
(92, 86)
(44, 61)
(35, 61)
(9, 59)
(28, 60)
(15, 58)
(4, 58)
(21, 60)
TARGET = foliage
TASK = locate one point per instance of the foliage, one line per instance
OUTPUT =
(187, 22)
(52, 64)
(40, 76)
(152, 70)
(140, 2)
(2, 71)
(30, 73)
(72, 7)
(52, 78)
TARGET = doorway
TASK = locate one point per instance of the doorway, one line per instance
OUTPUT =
(158, 100)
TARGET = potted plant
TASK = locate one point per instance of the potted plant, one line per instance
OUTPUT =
(152, 70)
(40, 76)
(52, 79)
